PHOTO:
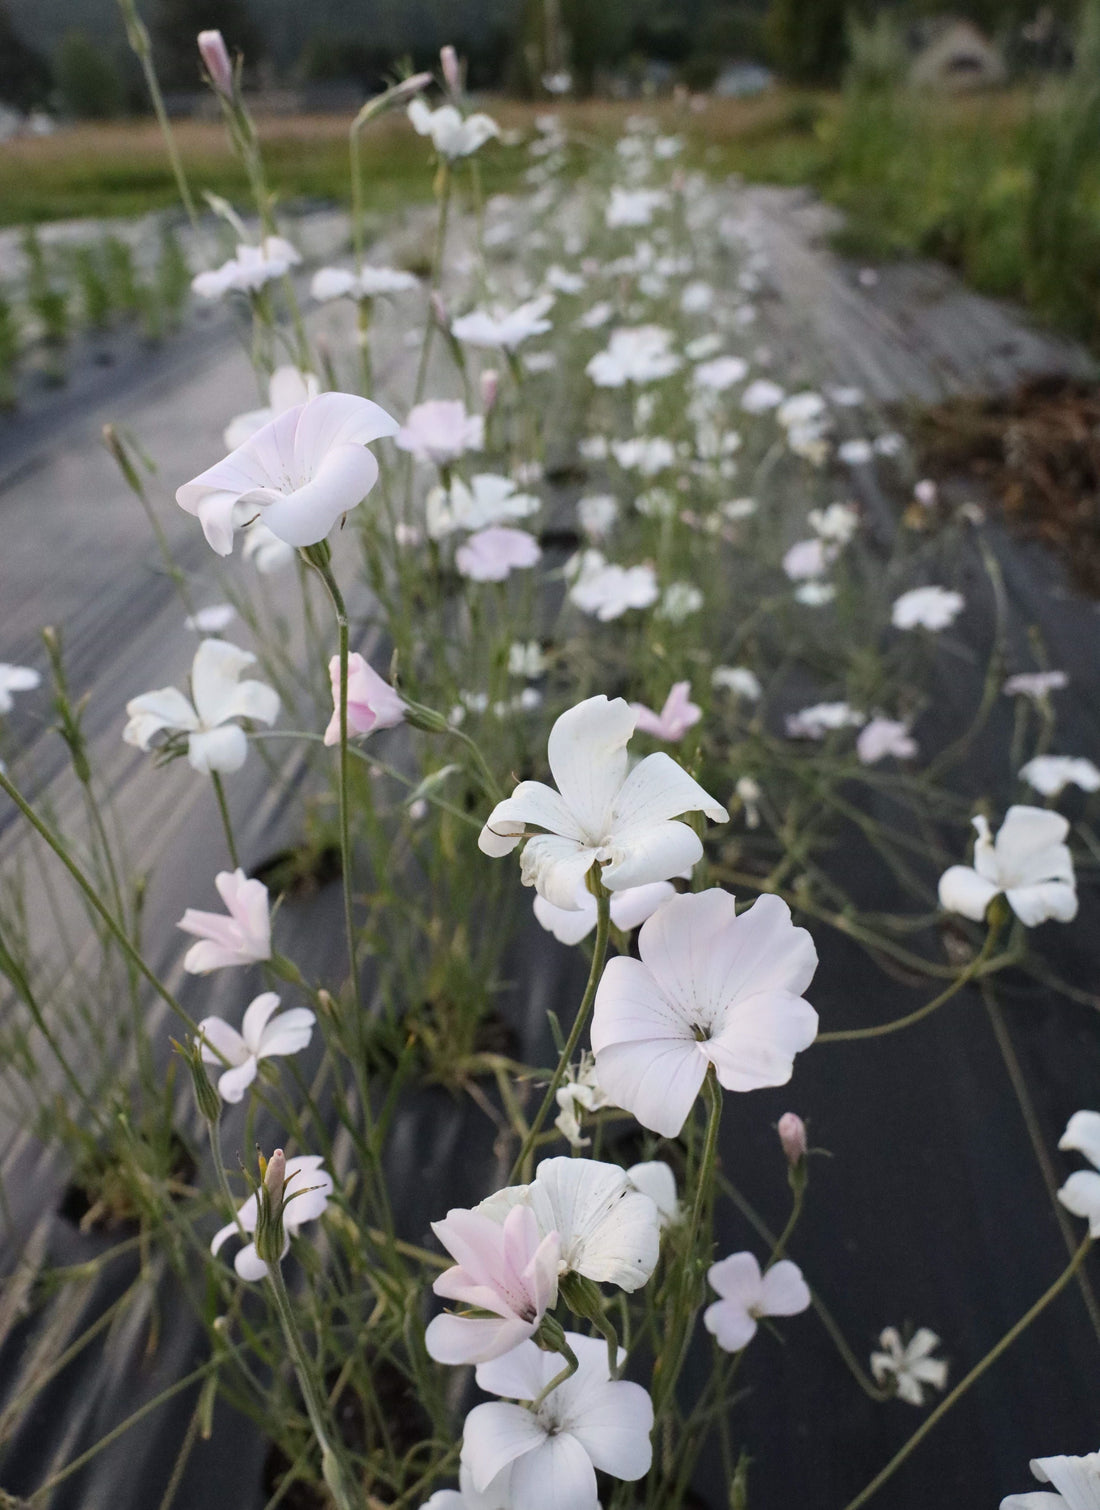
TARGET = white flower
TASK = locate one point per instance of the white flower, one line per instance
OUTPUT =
(15, 679)
(493, 554)
(638, 354)
(298, 474)
(801, 410)
(630, 207)
(697, 298)
(678, 601)
(1081, 1192)
(749, 792)
(814, 594)
(703, 346)
(1035, 684)
(561, 281)
(504, 330)
(737, 509)
(710, 988)
(845, 398)
(287, 387)
(596, 513)
(838, 523)
(600, 814)
(1077, 1481)
(546, 1459)
(887, 736)
(240, 938)
(1051, 774)
(656, 1179)
(579, 1092)
(822, 719)
(212, 619)
(910, 1365)
(598, 315)
(214, 743)
(648, 454)
(309, 1183)
(607, 1228)
(1029, 862)
(761, 396)
(855, 453)
(440, 431)
(927, 608)
(452, 136)
(369, 283)
(739, 680)
(526, 658)
(608, 591)
(262, 1036)
(747, 1295)
(808, 558)
(593, 447)
(249, 270)
(629, 910)
(489, 499)
(720, 374)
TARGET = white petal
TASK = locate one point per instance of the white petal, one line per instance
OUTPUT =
(631, 908)
(737, 1278)
(533, 804)
(256, 1018)
(730, 1325)
(233, 1084)
(214, 676)
(1082, 1135)
(224, 749)
(288, 1034)
(615, 1429)
(608, 1229)
(760, 1036)
(154, 711)
(223, 1041)
(342, 479)
(557, 1475)
(658, 789)
(521, 1374)
(474, 1339)
(495, 1434)
(1035, 904)
(1030, 846)
(653, 853)
(556, 867)
(1076, 1479)
(656, 1179)
(567, 927)
(1081, 1195)
(248, 1263)
(964, 891)
(587, 753)
(784, 1291)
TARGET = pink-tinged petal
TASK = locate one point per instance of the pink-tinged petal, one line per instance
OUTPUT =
(556, 1475)
(541, 1274)
(680, 943)
(587, 753)
(759, 1039)
(568, 927)
(214, 926)
(342, 480)
(247, 901)
(615, 1429)
(495, 1435)
(531, 805)
(288, 1034)
(153, 712)
(233, 1083)
(209, 955)
(652, 854)
(1081, 1195)
(964, 891)
(224, 749)
(1035, 904)
(1082, 1135)
(472, 1240)
(556, 867)
(256, 1017)
(784, 1292)
(737, 1278)
(730, 1326)
(519, 1375)
(474, 1339)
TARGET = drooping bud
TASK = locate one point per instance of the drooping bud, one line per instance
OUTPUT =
(490, 387)
(792, 1135)
(215, 58)
(452, 74)
(207, 1098)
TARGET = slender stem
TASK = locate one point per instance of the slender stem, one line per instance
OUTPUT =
(599, 954)
(138, 37)
(972, 1378)
(223, 809)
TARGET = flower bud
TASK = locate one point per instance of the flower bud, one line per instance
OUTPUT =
(490, 387)
(207, 1098)
(275, 1176)
(792, 1135)
(427, 720)
(452, 75)
(215, 57)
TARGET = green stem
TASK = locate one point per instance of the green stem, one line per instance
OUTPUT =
(223, 809)
(599, 955)
(972, 1378)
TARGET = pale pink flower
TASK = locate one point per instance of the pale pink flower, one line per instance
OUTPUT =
(215, 59)
(440, 431)
(288, 387)
(792, 1135)
(808, 558)
(882, 737)
(747, 1295)
(241, 938)
(249, 270)
(368, 283)
(504, 330)
(505, 1268)
(310, 1184)
(1035, 684)
(493, 554)
(265, 1033)
(678, 715)
(372, 702)
(15, 679)
(932, 608)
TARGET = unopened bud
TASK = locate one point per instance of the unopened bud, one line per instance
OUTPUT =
(206, 1097)
(426, 719)
(275, 1176)
(490, 387)
(215, 57)
(792, 1135)
(452, 74)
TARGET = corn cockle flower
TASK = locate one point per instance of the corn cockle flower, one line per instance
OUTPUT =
(215, 59)
(239, 936)
(217, 696)
(634, 207)
(489, 499)
(310, 1185)
(15, 679)
(720, 373)
(249, 270)
(746, 1295)
(678, 715)
(297, 475)
(931, 608)
(792, 1137)
(492, 555)
(607, 590)
(504, 330)
(711, 987)
(578, 1093)
(822, 719)
(629, 910)
(1076, 1480)
(910, 1366)
(1051, 774)
(288, 387)
(440, 431)
(639, 354)
(452, 135)
(507, 1270)
(762, 395)
(368, 283)
(656, 1179)
(738, 680)
(1081, 1192)
(606, 1227)
(265, 1032)
(1038, 685)
(1028, 861)
(600, 814)
(887, 736)
(546, 1458)
(372, 702)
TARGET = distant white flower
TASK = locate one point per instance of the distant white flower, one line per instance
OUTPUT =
(838, 523)
(678, 601)
(547, 1459)
(761, 396)
(890, 444)
(266, 551)
(593, 447)
(608, 591)
(491, 555)
(931, 608)
(647, 454)
(249, 270)
(1077, 1481)
(710, 988)
(656, 1179)
(212, 619)
(265, 1033)
(218, 696)
(526, 658)
(855, 453)
(632, 207)
(239, 936)
(822, 719)
(1037, 685)
(452, 135)
(1029, 862)
(747, 1295)
(887, 736)
(1051, 774)
(561, 281)
(814, 593)
(440, 431)
(629, 910)
(909, 1365)
(749, 793)
(598, 315)
(696, 298)
(298, 474)
(808, 558)
(288, 387)
(801, 410)
(1081, 1192)
(845, 397)
(720, 374)
(738, 680)
(702, 347)
(600, 814)
(504, 330)
(310, 1185)
(15, 679)
(579, 1093)
(638, 354)
(608, 1230)
(488, 499)
(369, 283)
(737, 509)
(596, 513)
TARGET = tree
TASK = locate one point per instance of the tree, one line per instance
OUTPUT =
(176, 23)
(88, 79)
(24, 74)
